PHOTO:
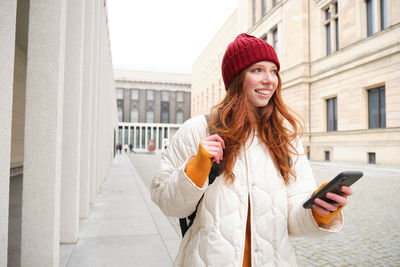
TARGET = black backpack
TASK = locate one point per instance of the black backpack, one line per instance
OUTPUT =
(215, 171)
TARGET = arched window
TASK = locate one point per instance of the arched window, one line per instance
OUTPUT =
(120, 114)
(165, 115)
(134, 115)
(149, 116)
(179, 117)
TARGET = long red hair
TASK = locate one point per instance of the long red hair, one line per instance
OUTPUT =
(235, 120)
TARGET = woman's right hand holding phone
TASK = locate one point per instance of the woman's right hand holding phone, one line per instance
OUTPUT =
(323, 211)
(326, 208)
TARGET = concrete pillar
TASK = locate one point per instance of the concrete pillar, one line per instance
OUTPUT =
(98, 123)
(86, 111)
(40, 237)
(8, 14)
(146, 138)
(140, 136)
(129, 134)
(72, 122)
(93, 120)
(134, 137)
(162, 138)
(157, 138)
(101, 117)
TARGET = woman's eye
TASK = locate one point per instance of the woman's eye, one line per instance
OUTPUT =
(256, 70)
(274, 71)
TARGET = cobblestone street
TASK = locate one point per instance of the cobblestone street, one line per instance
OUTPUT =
(371, 234)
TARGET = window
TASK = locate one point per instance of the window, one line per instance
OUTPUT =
(275, 39)
(327, 156)
(370, 17)
(149, 116)
(150, 95)
(165, 115)
(264, 7)
(120, 114)
(384, 15)
(254, 12)
(377, 108)
(134, 94)
(165, 96)
(134, 115)
(264, 37)
(179, 97)
(332, 28)
(331, 114)
(179, 117)
(371, 158)
(120, 93)
(328, 33)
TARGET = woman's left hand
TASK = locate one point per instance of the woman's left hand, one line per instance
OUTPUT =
(325, 208)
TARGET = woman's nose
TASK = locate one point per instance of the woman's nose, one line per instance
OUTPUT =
(267, 78)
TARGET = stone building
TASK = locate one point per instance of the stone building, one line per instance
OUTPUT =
(58, 119)
(152, 97)
(151, 106)
(340, 69)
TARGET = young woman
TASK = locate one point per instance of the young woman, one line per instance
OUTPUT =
(246, 216)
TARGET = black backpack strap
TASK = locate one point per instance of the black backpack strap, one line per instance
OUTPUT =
(289, 161)
(184, 226)
(215, 171)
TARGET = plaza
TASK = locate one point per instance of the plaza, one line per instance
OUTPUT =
(126, 228)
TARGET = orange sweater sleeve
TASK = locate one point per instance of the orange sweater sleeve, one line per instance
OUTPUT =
(322, 219)
(199, 167)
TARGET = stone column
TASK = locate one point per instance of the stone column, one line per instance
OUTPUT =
(94, 99)
(102, 118)
(86, 111)
(129, 134)
(140, 137)
(8, 14)
(162, 138)
(40, 237)
(145, 139)
(134, 137)
(70, 173)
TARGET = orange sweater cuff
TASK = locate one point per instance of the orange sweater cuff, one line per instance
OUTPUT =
(322, 219)
(199, 167)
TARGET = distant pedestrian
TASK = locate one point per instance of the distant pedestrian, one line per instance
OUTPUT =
(131, 148)
(246, 216)
(119, 148)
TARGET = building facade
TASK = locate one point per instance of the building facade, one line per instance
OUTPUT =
(339, 66)
(57, 126)
(152, 97)
(151, 106)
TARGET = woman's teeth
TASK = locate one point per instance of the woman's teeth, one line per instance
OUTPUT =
(263, 92)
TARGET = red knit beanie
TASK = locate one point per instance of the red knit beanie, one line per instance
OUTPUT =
(244, 51)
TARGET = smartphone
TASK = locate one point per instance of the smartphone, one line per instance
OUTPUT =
(345, 178)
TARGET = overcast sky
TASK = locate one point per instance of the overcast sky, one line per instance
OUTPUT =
(163, 35)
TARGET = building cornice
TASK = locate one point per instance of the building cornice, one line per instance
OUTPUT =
(152, 82)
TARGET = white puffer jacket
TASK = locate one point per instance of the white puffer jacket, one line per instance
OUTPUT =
(217, 236)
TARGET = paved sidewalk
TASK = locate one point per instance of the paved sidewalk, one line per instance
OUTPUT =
(371, 235)
(125, 228)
